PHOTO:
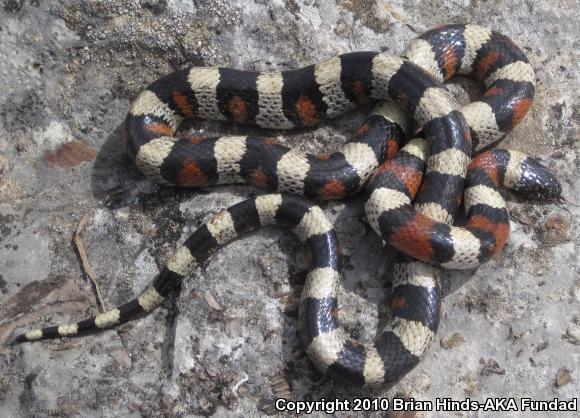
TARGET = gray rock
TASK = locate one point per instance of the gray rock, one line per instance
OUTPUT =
(69, 71)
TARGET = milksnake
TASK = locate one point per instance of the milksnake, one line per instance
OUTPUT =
(432, 171)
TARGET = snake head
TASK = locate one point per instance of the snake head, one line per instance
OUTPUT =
(538, 181)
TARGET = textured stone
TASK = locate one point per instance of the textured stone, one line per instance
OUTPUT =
(69, 71)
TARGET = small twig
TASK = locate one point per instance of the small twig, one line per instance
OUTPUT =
(85, 261)
(281, 388)
(563, 201)
(239, 383)
(397, 16)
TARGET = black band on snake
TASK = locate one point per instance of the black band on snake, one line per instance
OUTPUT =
(423, 232)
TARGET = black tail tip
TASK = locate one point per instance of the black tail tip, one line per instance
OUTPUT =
(18, 340)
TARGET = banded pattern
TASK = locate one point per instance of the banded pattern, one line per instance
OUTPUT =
(306, 220)
(307, 95)
(399, 346)
(326, 342)
(424, 232)
(284, 100)
(395, 185)
(199, 162)
(491, 58)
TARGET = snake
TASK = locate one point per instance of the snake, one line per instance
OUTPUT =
(413, 188)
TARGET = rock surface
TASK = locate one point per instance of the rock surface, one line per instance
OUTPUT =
(228, 343)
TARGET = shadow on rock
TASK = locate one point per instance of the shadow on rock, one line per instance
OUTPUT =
(114, 175)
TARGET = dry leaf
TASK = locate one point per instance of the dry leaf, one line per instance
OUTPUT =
(212, 303)
(563, 377)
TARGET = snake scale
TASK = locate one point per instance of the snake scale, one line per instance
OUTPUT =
(411, 196)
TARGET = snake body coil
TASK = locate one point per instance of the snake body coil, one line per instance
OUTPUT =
(303, 97)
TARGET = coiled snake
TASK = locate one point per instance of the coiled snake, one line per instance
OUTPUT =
(446, 137)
